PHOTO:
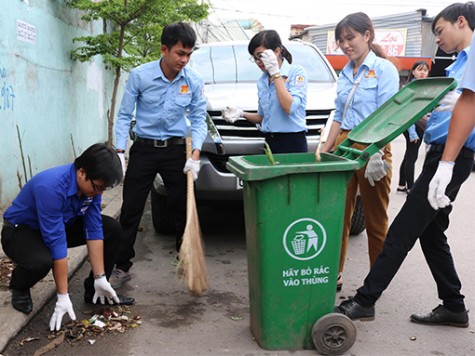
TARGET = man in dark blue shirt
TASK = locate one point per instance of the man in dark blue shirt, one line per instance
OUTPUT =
(57, 209)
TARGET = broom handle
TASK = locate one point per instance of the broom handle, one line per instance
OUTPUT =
(188, 147)
(189, 182)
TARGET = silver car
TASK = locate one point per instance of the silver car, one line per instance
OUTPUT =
(231, 80)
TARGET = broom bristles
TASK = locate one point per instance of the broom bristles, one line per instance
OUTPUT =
(192, 264)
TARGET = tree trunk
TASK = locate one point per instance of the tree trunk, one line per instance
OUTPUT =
(110, 119)
(111, 116)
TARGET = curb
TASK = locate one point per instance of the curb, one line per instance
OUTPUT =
(12, 320)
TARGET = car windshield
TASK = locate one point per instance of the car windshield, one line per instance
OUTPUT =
(231, 64)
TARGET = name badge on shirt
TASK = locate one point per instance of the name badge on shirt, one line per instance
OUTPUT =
(84, 206)
(371, 74)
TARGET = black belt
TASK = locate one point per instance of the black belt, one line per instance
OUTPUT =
(282, 134)
(464, 152)
(174, 141)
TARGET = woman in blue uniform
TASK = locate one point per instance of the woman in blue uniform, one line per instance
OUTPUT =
(364, 84)
(282, 92)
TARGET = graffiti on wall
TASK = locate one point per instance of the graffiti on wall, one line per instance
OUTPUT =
(7, 99)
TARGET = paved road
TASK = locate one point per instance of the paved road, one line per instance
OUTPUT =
(175, 323)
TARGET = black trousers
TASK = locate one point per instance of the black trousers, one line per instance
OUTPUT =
(417, 220)
(406, 171)
(25, 246)
(291, 142)
(145, 161)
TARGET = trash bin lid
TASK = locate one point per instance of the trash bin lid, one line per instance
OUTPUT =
(258, 167)
(397, 114)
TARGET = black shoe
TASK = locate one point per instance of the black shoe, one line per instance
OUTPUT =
(21, 301)
(442, 316)
(402, 190)
(355, 311)
(123, 300)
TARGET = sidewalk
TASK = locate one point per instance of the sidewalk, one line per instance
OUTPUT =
(12, 320)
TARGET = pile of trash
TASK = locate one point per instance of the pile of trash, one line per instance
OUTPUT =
(6, 268)
(108, 319)
(113, 319)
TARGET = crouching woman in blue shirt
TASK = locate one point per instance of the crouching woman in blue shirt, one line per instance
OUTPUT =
(282, 92)
(57, 209)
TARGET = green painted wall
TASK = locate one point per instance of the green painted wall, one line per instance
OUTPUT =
(58, 105)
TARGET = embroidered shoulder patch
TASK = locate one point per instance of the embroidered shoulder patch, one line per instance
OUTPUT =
(299, 80)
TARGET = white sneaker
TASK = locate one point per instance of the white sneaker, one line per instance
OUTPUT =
(118, 277)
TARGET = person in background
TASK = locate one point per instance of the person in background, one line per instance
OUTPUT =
(413, 136)
(425, 213)
(282, 92)
(57, 209)
(364, 84)
(165, 96)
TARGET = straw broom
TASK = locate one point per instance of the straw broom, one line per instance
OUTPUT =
(192, 264)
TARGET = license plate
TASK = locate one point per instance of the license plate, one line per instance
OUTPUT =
(239, 183)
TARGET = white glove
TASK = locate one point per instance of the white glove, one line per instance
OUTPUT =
(447, 103)
(104, 290)
(269, 60)
(193, 166)
(63, 306)
(231, 114)
(376, 169)
(438, 185)
(122, 162)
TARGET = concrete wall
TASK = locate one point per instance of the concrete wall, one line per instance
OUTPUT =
(58, 105)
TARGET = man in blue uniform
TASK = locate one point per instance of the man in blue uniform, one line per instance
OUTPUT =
(167, 98)
(461, 127)
(57, 209)
(453, 28)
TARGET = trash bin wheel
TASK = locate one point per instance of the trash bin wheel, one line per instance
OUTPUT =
(333, 334)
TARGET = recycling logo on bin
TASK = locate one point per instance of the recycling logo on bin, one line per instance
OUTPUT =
(304, 239)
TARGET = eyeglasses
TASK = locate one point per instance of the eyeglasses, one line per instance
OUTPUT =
(256, 58)
(99, 188)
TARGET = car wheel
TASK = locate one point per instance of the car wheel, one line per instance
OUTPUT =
(357, 220)
(163, 216)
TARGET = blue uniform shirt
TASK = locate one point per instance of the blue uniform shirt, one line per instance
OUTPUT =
(49, 202)
(438, 125)
(274, 118)
(468, 80)
(160, 105)
(379, 81)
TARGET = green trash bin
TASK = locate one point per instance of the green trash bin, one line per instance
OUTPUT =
(294, 216)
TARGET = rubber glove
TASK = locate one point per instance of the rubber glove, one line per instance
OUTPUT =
(438, 185)
(376, 169)
(231, 114)
(269, 60)
(63, 306)
(193, 166)
(122, 162)
(447, 103)
(104, 290)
